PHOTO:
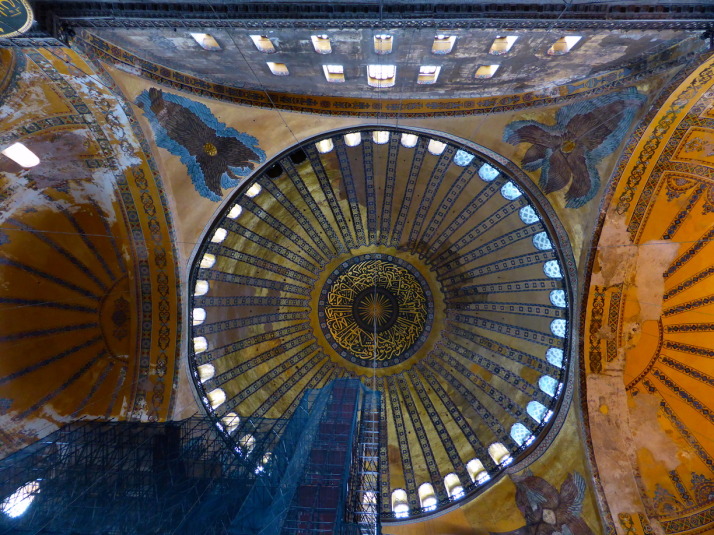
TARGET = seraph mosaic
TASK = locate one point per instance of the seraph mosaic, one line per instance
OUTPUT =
(547, 511)
(217, 157)
(569, 151)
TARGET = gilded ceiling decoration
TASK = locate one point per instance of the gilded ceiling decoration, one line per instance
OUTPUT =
(648, 337)
(411, 262)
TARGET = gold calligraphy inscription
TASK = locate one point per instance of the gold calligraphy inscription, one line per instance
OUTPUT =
(15, 17)
(356, 316)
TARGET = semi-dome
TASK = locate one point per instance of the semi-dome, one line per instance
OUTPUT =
(418, 264)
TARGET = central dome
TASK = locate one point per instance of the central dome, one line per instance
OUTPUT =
(412, 262)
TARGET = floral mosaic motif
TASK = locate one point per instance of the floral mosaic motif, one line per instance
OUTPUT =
(569, 151)
(547, 511)
(216, 156)
(664, 501)
(120, 318)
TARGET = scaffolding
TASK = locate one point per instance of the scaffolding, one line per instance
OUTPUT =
(310, 474)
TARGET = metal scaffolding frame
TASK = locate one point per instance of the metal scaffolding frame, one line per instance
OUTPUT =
(305, 475)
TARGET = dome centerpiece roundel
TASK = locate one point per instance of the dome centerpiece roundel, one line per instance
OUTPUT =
(420, 266)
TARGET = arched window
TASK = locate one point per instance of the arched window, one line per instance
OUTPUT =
(206, 372)
(353, 139)
(453, 485)
(18, 502)
(235, 211)
(537, 411)
(200, 344)
(247, 443)
(487, 173)
(463, 158)
(199, 316)
(510, 191)
(520, 433)
(548, 385)
(558, 327)
(216, 397)
(380, 137)
(254, 190)
(499, 453)
(557, 297)
(477, 472)
(542, 242)
(208, 260)
(427, 497)
(436, 147)
(324, 146)
(409, 140)
(400, 503)
(528, 215)
(554, 355)
(263, 463)
(201, 288)
(219, 235)
(552, 269)
(231, 421)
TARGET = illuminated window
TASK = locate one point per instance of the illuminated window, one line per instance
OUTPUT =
(520, 434)
(216, 398)
(231, 421)
(487, 173)
(247, 443)
(510, 191)
(427, 498)
(558, 327)
(463, 158)
(208, 260)
(436, 147)
(502, 44)
(18, 502)
(548, 385)
(235, 211)
(499, 454)
(381, 75)
(409, 140)
(453, 486)
(477, 472)
(321, 43)
(21, 155)
(557, 297)
(353, 139)
(380, 137)
(400, 503)
(486, 71)
(200, 344)
(542, 242)
(219, 235)
(383, 44)
(199, 316)
(263, 43)
(554, 355)
(428, 74)
(443, 44)
(278, 69)
(334, 73)
(324, 146)
(263, 463)
(206, 41)
(201, 288)
(206, 372)
(537, 411)
(254, 190)
(528, 215)
(369, 498)
(564, 45)
(552, 269)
